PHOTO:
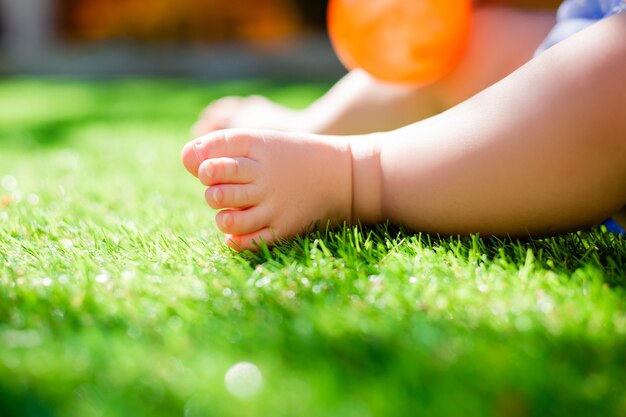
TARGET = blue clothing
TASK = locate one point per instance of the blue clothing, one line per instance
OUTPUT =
(613, 227)
(573, 16)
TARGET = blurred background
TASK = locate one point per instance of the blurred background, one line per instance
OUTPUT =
(209, 39)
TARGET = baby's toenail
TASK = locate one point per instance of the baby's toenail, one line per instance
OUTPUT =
(218, 195)
(208, 170)
(228, 220)
(197, 149)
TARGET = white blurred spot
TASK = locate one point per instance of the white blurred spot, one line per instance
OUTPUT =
(227, 292)
(128, 275)
(102, 278)
(33, 199)
(9, 183)
(546, 305)
(17, 196)
(243, 380)
(46, 282)
(375, 279)
(66, 243)
(263, 282)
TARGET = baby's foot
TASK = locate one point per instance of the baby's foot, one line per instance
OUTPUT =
(270, 185)
(255, 112)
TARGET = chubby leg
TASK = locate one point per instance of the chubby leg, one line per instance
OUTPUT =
(541, 152)
(502, 39)
(538, 153)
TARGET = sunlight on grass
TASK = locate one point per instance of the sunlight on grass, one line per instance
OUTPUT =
(117, 294)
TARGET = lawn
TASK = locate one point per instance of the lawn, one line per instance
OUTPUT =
(117, 297)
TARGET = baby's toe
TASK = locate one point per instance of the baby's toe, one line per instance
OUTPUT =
(233, 196)
(190, 157)
(228, 171)
(252, 241)
(225, 143)
(242, 222)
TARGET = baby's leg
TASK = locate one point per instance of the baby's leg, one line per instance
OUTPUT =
(540, 152)
(502, 39)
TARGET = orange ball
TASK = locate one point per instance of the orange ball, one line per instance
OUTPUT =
(414, 41)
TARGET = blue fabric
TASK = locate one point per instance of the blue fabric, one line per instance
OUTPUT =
(613, 227)
(575, 15)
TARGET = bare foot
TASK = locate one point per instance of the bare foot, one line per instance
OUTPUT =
(254, 112)
(271, 185)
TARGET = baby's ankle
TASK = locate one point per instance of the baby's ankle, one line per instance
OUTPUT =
(366, 180)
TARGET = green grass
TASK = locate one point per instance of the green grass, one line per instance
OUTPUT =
(117, 297)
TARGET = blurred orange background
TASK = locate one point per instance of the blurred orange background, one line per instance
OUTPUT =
(177, 20)
(208, 38)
